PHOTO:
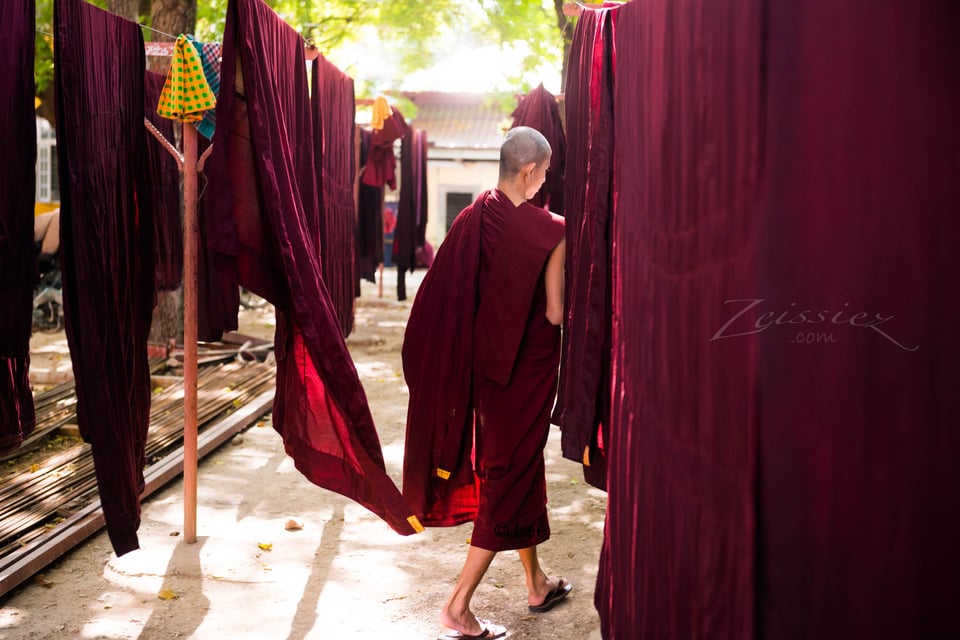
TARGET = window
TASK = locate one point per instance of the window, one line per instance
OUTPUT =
(54, 174)
(457, 201)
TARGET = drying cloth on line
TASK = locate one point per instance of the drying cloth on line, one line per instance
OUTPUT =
(106, 229)
(262, 214)
(210, 56)
(18, 269)
(186, 94)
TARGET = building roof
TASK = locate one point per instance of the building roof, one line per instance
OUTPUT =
(460, 120)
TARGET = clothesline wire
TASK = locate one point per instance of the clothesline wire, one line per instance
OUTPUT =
(158, 31)
(163, 33)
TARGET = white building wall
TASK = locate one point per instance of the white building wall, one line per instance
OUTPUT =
(454, 176)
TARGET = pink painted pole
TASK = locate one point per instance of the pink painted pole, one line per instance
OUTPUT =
(190, 242)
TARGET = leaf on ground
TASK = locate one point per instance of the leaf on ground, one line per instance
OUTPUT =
(34, 468)
(293, 524)
(266, 546)
(167, 594)
(393, 598)
(43, 582)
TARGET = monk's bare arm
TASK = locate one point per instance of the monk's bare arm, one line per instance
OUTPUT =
(553, 280)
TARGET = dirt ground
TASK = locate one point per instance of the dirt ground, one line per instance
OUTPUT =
(345, 574)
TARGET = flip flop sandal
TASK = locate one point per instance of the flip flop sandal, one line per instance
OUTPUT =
(555, 597)
(489, 631)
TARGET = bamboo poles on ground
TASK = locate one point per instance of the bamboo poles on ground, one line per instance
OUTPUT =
(60, 483)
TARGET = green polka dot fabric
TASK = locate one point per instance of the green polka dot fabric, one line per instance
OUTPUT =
(186, 93)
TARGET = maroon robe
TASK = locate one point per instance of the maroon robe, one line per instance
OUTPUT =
(165, 178)
(333, 108)
(18, 270)
(264, 204)
(106, 243)
(369, 221)
(539, 110)
(380, 167)
(583, 400)
(860, 484)
(409, 234)
(679, 542)
(478, 336)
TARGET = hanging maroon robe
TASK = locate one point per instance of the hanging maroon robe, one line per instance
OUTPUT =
(679, 542)
(380, 167)
(369, 221)
(409, 234)
(106, 241)
(18, 270)
(860, 489)
(539, 110)
(583, 401)
(263, 200)
(333, 107)
(165, 178)
(478, 337)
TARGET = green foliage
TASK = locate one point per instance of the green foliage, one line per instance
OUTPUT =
(414, 33)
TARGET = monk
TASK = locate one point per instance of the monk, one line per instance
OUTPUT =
(481, 354)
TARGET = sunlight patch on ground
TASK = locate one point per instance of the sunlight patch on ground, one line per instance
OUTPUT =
(11, 618)
(374, 370)
(393, 454)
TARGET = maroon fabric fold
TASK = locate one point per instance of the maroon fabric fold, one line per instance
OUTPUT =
(438, 367)
(381, 165)
(320, 410)
(509, 291)
(18, 270)
(583, 398)
(679, 545)
(539, 110)
(165, 178)
(106, 240)
(333, 108)
(861, 395)
(409, 234)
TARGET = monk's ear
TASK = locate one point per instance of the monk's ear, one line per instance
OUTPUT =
(527, 171)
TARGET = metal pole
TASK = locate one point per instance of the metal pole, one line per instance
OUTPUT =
(190, 235)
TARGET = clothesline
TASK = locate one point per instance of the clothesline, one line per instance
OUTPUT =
(574, 9)
(50, 35)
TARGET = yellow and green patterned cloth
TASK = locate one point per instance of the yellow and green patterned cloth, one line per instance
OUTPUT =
(186, 94)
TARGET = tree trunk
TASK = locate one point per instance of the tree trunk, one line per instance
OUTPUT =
(129, 9)
(172, 17)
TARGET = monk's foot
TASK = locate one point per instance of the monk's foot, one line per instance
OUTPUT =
(555, 593)
(463, 621)
(540, 589)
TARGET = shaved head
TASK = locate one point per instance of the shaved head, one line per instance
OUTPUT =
(520, 147)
